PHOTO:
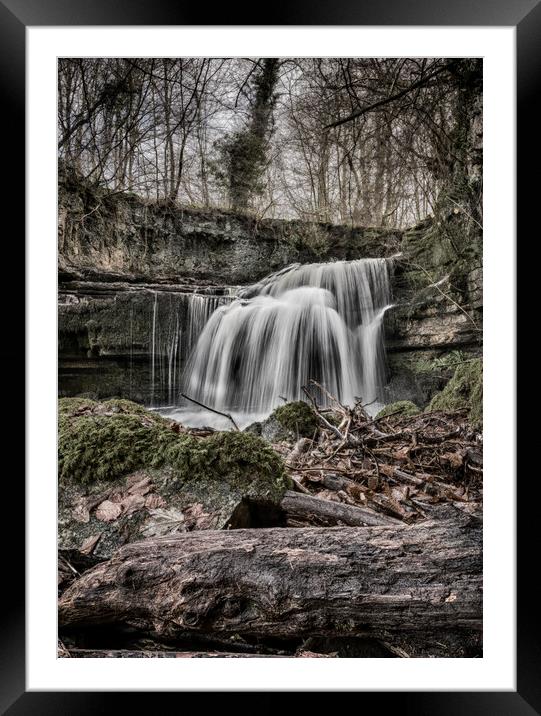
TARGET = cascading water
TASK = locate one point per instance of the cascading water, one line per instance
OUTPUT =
(315, 321)
(176, 321)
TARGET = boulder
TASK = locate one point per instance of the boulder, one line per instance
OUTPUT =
(126, 474)
(287, 423)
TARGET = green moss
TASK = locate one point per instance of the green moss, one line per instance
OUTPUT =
(242, 460)
(70, 406)
(298, 417)
(401, 407)
(77, 406)
(104, 447)
(442, 363)
(464, 390)
(103, 441)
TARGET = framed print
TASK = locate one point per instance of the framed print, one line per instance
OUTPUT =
(270, 354)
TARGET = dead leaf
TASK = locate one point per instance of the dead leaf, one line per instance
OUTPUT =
(454, 459)
(329, 495)
(163, 522)
(132, 503)
(135, 477)
(141, 487)
(81, 513)
(387, 470)
(402, 454)
(108, 511)
(153, 501)
(90, 543)
(196, 517)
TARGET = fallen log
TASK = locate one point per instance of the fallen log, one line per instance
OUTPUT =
(127, 654)
(310, 511)
(416, 582)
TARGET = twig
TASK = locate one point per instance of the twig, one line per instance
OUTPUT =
(85, 216)
(329, 396)
(331, 427)
(299, 486)
(212, 410)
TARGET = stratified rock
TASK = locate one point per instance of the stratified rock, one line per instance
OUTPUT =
(121, 236)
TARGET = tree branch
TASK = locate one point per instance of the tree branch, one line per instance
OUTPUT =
(380, 103)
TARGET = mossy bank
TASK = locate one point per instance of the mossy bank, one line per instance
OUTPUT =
(464, 390)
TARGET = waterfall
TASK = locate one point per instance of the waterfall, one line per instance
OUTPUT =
(177, 320)
(316, 321)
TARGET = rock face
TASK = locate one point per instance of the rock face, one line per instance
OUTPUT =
(438, 300)
(122, 236)
(438, 309)
(139, 280)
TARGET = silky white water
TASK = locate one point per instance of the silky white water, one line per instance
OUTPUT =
(315, 321)
(176, 322)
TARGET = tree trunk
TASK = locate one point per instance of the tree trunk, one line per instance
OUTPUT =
(418, 582)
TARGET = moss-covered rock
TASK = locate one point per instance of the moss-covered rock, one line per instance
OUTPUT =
(99, 447)
(106, 447)
(241, 460)
(83, 405)
(297, 417)
(464, 390)
(401, 407)
(106, 440)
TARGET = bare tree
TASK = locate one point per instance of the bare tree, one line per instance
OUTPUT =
(361, 141)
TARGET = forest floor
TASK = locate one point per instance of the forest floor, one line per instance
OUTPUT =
(395, 502)
(397, 465)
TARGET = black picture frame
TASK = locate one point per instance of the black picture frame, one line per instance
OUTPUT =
(15, 16)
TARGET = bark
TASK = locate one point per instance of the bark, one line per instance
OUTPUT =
(127, 654)
(416, 582)
(306, 510)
